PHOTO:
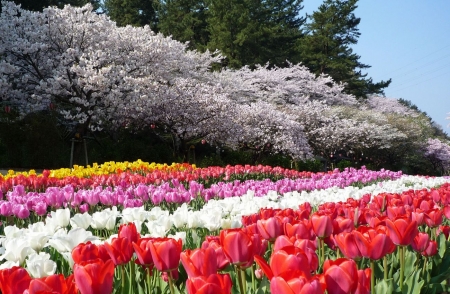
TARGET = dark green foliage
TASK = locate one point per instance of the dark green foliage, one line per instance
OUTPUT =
(250, 32)
(185, 21)
(326, 49)
(132, 12)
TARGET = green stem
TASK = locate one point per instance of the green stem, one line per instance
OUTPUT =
(402, 266)
(122, 269)
(132, 274)
(322, 245)
(172, 290)
(239, 278)
(424, 265)
(385, 267)
(372, 276)
(149, 282)
(253, 278)
(244, 282)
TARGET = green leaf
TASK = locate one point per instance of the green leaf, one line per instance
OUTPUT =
(384, 286)
(412, 284)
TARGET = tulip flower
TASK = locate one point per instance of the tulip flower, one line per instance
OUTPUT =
(364, 281)
(237, 246)
(373, 243)
(14, 280)
(270, 228)
(341, 276)
(402, 230)
(120, 250)
(431, 249)
(40, 265)
(299, 285)
(212, 284)
(348, 245)
(199, 262)
(143, 253)
(51, 284)
(129, 231)
(322, 225)
(95, 276)
(420, 242)
(434, 217)
(85, 252)
(214, 242)
(165, 253)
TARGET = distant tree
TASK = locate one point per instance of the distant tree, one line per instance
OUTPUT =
(185, 21)
(250, 32)
(326, 48)
(132, 12)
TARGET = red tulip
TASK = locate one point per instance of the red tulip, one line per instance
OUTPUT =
(199, 262)
(214, 242)
(309, 248)
(237, 246)
(322, 225)
(341, 276)
(348, 245)
(143, 253)
(14, 280)
(402, 230)
(94, 277)
(270, 228)
(373, 243)
(434, 217)
(85, 252)
(212, 284)
(300, 285)
(342, 224)
(129, 231)
(51, 284)
(444, 230)
(290, 262)
(281, 242)
(420, 242)
(166, 253)
(300, 229)
(364, 281)
(120, 250)
(431, 249)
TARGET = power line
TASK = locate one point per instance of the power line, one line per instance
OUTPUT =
(421, 58)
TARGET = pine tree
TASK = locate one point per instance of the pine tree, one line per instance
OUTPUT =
(133, 12)
(326, 49)
(250, 32)
(185, 21)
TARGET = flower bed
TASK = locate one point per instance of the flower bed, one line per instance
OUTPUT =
(352, 232)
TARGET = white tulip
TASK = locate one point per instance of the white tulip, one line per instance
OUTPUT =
(81, 220)
(16, 250)
(40, 265)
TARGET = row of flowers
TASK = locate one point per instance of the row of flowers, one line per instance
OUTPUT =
(182, 173)
(20, 203)
(284, 235)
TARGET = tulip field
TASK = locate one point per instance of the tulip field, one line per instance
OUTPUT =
(136, 227)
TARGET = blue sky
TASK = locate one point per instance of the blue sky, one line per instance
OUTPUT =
(408, 41)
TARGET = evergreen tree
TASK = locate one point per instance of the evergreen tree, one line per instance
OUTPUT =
(133, 12)
(326, 49)
(250, 32)
(185, 21)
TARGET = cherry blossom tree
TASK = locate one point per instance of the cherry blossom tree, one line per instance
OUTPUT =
(87, 66)
(438, 152)
(280, 86)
